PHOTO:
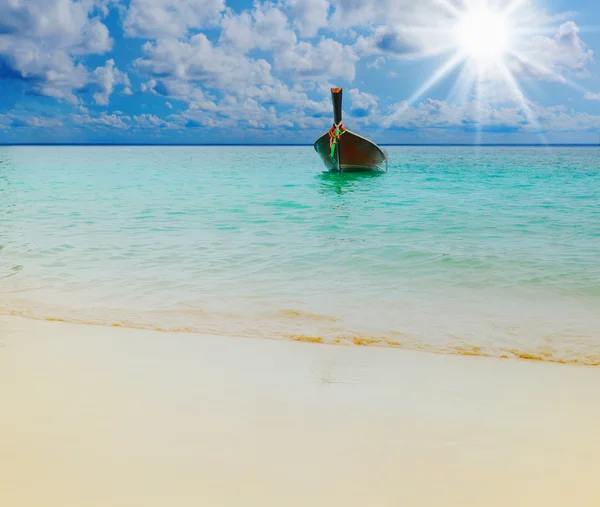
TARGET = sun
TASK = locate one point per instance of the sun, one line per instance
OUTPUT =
(483, 35)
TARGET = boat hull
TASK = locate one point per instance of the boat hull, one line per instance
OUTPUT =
(353, 153)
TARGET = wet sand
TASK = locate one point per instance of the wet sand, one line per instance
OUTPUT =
(108, 417)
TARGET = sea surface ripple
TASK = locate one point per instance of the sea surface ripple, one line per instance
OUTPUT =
(480, 251)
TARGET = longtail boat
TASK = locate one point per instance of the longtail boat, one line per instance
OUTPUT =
(342, 150)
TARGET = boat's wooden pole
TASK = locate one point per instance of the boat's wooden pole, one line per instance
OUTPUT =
(336, 98)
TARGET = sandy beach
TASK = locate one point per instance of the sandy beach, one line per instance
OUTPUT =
(99, 417)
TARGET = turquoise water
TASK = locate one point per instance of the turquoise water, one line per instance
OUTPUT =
(483, 251)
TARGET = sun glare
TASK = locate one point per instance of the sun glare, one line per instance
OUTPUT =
(485, 40)
(483, 35)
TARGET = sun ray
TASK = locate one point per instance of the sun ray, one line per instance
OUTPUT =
(430, 83)
(513, 7)
(484, 39)
(463, 86)
(442, 45)
(436, 77)
(449, 7)
(514, 86)
(479, 105)
(544, 70)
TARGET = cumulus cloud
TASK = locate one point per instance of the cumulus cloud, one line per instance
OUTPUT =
(170, 18)
(41, 39)
(360, 13)
(35, 122)
(199, 60)
(185, 91)
(377, 63)
(549, 58)
(106, 78)
(115, 121)
(150, 121)
(326, 59)
(309, 16)
(59, 23)
(240, 112)
(265, 27)
(591, 96)
(363, 104)
(434, 116)
(278, 94)
(439, 114)
(473, 116)
(402, 41)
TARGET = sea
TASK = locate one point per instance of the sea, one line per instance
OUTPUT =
(479, 251)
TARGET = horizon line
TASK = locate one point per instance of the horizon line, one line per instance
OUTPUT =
(473, 145)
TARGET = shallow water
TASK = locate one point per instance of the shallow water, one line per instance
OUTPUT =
(479, 251)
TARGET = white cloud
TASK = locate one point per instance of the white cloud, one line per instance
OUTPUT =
(36, 122)
(377, 63)
(472, 116)
(185, 91)
(309, 15)
(106, 78)
(170, 18)
(40, 40)
(187, 69)
(63, 24)
(198, 60)
(360, 13)
(363, 104)
(469, 117)
(395, 40)
(265, 27)
(549, 58)
(240, 112)
(591, 96)
(278, 93)
(104, 6)
(103, 120)
(431, 116)
(150, 121)
(327, 59)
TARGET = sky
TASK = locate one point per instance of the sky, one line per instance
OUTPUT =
(234, 71)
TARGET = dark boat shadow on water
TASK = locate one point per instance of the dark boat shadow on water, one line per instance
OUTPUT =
(346, 183)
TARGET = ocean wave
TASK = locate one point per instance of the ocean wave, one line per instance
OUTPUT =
(335, 337)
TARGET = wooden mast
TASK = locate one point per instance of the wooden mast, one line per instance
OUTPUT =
(336, 99)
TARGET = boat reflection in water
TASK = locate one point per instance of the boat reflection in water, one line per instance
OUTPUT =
(342, 150)
(346, 183)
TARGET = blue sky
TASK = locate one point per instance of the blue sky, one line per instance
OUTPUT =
(233, 71)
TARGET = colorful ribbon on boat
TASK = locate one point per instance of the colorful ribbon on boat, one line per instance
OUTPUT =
(335, 132)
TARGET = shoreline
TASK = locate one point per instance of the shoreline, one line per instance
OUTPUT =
(542, 354)
(112, 416)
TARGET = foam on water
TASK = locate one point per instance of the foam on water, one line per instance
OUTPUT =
(489, 251)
